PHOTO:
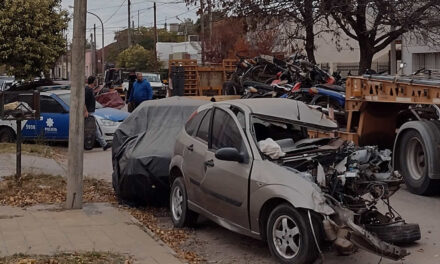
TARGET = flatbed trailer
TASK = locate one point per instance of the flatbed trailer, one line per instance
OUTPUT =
(400, 113)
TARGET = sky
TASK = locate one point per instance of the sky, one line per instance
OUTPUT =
(114, 14)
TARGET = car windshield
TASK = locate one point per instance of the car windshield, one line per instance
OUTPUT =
(278, 131)
(66, 99)
(152, 78)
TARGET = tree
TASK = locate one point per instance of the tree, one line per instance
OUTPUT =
(299, 20)
(31, 36)
(137, 58)
(374, 24)
(143, 36)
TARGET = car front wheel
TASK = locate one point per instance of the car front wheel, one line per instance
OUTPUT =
(180, 213)
(6, 135)
(289, 236)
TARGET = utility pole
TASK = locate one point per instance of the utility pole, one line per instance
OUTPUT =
(94, 51)
(155, 34)
(138, 22)
(76, 115)
(67, 58)
(202, 37)
(93, 54)
(103, 44)
(210, 23)
(129, 24)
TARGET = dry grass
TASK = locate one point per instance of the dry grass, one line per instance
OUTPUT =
(68, 258)
(47, 189)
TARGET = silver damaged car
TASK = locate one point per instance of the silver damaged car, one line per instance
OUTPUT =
(250, 166)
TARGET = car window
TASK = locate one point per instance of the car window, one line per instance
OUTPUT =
(194, 122)
(50, 105)
(203, 132)
(241, 119)
(152, 78)
(240, 116)
(225, 132)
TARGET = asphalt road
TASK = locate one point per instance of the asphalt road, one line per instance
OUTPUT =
(219, 245)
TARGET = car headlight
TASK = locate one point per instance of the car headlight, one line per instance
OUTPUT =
(106, 122)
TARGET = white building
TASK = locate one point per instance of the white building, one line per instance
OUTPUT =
(344, 58)
(418, 54)
(165, 49)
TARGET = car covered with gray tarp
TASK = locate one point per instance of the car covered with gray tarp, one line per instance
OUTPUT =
(143, 146)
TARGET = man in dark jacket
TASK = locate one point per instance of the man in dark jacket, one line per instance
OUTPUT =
(90, 106)
(141, 91)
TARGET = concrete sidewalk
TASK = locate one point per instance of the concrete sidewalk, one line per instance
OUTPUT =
(97, 227)
(30, 164)
(97, 164)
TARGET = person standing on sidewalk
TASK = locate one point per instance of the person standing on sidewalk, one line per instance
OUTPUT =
(141, 91)
(89, 110)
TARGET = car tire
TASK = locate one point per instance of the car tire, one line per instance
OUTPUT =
(413, 164)
(290, 237)
(396, 233)
(7, 135)
(180, 213)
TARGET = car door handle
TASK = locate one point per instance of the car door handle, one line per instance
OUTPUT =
(190, 147)
(209, 163)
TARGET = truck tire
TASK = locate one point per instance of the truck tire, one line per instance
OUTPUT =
(413, 159)
(289, 236)
(7, 135)
(396, 233)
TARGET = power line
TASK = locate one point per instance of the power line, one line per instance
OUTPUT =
(139, 3)
(115, 12)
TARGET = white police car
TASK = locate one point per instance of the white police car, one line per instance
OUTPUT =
(53, 124)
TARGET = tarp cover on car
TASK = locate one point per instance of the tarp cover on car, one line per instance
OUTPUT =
(143, 146)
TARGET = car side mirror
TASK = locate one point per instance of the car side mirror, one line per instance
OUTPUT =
(229, 154)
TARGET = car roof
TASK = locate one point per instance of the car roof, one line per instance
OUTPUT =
(56, 92)
(149, 74)
(287, 109)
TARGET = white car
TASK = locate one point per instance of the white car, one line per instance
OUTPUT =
(159, 89)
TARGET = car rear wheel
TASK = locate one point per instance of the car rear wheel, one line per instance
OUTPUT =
(289, 236)
(7, 135)
(180, 213)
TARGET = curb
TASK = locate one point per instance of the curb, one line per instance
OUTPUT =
(154, 236)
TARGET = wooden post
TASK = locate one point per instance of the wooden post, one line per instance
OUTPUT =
(18, 162)
(76, 116)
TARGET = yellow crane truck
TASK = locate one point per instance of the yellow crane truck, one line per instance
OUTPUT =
(400, 113)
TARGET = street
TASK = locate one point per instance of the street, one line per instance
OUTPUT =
(219, 245)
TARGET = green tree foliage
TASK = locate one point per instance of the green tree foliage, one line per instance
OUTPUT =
(138, 58)
(31, 36)
(143, 36)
